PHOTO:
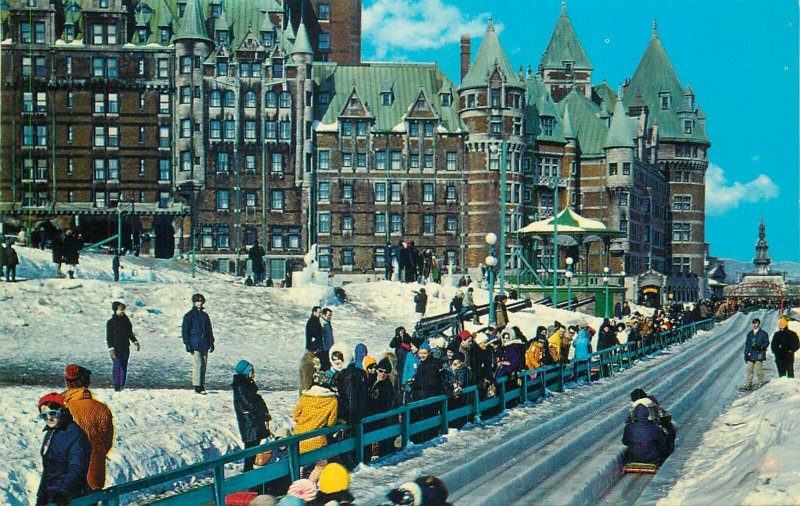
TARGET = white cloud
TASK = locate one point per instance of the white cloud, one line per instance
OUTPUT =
(722, 195)
(408, 25)
(755, 158)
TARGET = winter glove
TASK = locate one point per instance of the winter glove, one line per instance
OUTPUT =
(211, 350)
(138, 346)
(112, 353)
(189, 348)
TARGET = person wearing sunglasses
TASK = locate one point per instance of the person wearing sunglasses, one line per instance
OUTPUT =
(65, 454)
(380, 399)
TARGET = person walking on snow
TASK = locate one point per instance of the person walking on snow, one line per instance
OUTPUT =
(119, 336)
(420, 302)
(12, 260)
(755, 352)
(327, 338)
(784, 344)
(93, 417)
(65, 454)
(198, 337)
(252, 414)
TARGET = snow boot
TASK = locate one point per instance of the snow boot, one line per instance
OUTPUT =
(117, 388)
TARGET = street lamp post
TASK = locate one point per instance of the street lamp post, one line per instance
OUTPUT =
(624, 289)
(568, 274)
(605, 284)
(491, 262)
(503, 197)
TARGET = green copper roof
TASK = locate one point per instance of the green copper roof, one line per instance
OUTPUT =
(370, 80)
(584, 115)
(569, 132)
(153, 15)
(565, 46)
(301, 43)
(490, 57)
(539, 103)
(606, 94)
(271, 6)
(619, 135)
(654, 77)
(192, 25)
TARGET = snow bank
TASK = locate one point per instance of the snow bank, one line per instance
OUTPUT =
(750, 457)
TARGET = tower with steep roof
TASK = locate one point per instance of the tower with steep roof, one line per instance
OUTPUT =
(762, 259)
(679, 144)
(564, 64)
(492, 97)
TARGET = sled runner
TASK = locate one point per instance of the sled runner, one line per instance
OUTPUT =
(639, 468)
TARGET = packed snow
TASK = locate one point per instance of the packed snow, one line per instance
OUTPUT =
(161, 424)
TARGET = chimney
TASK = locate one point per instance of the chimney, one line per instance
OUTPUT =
(466, 53)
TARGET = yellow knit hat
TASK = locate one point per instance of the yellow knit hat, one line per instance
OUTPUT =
(334, 478)
(784, 319)
(368, 361)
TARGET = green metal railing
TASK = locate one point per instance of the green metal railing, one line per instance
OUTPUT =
(527, 386)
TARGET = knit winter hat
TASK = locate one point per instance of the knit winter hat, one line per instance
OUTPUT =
(784, 319)
(459, 355)
(72, 371)
(368, 361)
(304, 489)
(243, 367)
(464, 335)
(386, 365)
(334, 478)
(53, 397)
(425, 346)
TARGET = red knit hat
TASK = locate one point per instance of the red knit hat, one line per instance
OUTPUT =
(53, 397)
(72, 372)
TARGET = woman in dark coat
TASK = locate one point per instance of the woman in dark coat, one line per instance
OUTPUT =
(380, 399)
(65, 454)
(251, 410)
(608, 336)
(426, 384)
(119, 336)
(72, 247)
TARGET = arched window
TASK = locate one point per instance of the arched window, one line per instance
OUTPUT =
(215, 99)
(272, 99)
(250, 99)
(229, 99)
(286, 100)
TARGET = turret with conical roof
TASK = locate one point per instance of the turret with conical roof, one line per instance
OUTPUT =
(491, 59)
(192, 25)
(619, 134)
(564, 63)
(301, 43)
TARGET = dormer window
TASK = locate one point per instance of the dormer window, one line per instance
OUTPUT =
(222, 69)
(164, 35)
(216, 10)
(568, 67)
(495, 97)
(688, 126)
(666, 100)
(267, 38)
(547, 124)
(387, 98)
(446, 99)
(69, 32)
(142, 35)
(181, 9)
(223, 38)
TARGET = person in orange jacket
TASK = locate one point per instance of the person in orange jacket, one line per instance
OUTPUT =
(93, 417)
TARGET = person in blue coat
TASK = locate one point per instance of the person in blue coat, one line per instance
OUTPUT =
(582, 345)
(65, 454)
(252, 414)
(646, 442)
(198, 337)
(755, 352)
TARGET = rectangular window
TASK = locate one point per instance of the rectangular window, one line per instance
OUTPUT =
(347, 129)
(380, 192)
(428, 224)
(113, 136)
(324, 257)
(163, 68)
(612, 169)
(495, 97)
(324, 223)
(380, 223)
(379, 258)
(277, 163)
(428, 193)
(623, 199)
(452, 160)
(113, 168)
(112, 34)
(250, 130)
(682, 202)
(413, 129)
(428, 161)
(397, 160)
(347, 159)
(223, 237)
(164, 170)
(380, 160)
(428, 129)
(294, 238)
(347, 192)
(223, 161)
(141, 166)
(250, 163)
(286, 130)
(207, 237)
(361, 129)
(626, 169)
(452, 194)
(99, 170)
(99, 137)
(323, 159)
(361, 160)
(230, 130)
(223, 200)
(681, 232)
(215, 129)
(324, 191)
(413, 160)
(276, 200)
(396, 224)
(450, 224)
(396, 192)
(347, 223)
(186, 161)
(186, 94)
(186, 128)
(324, 12)
(347, 256)
(99, 103)
(113, 103)
(99, 199)
(271, 130)
(276, 238)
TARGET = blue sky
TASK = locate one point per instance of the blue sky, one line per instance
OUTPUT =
(740, 56)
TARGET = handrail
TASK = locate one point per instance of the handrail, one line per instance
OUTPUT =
(525, 386)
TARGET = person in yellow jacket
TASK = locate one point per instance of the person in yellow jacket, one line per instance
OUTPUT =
(93, 417)
(556, 343)
(318, 407)
(537, 354)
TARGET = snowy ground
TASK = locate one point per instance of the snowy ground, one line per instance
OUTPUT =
(161, 425)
